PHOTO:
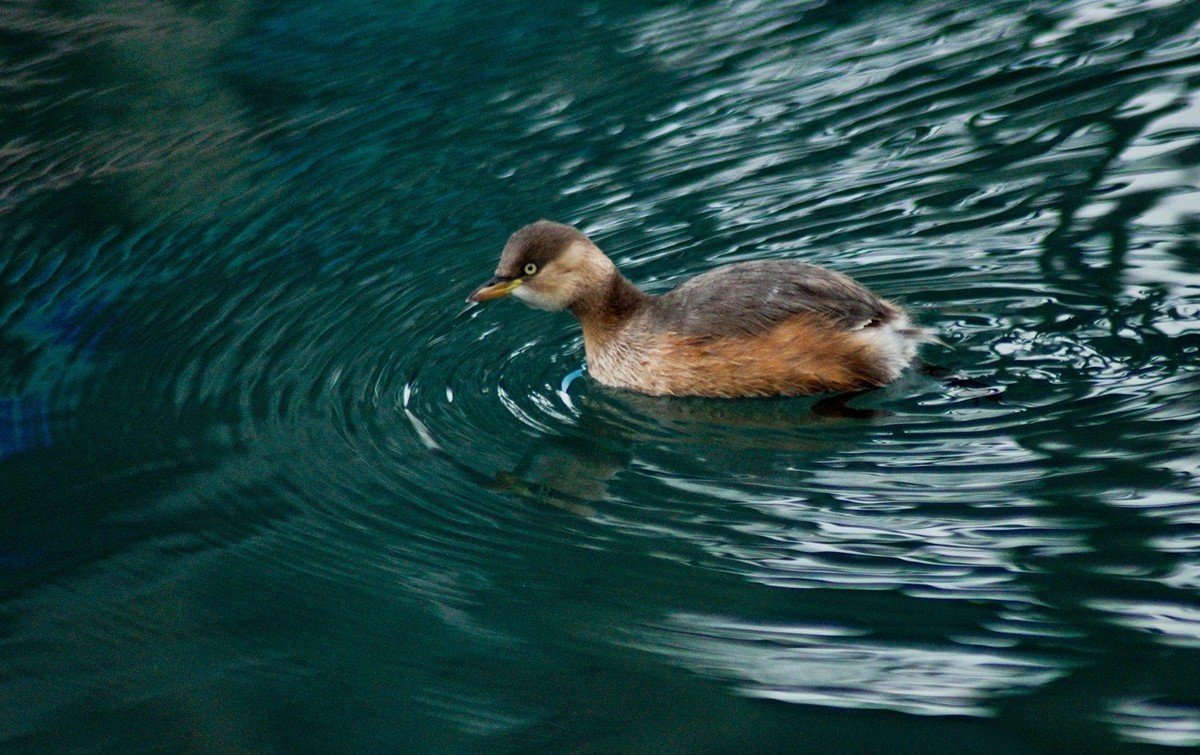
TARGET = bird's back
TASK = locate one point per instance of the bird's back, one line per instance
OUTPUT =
(750, 298)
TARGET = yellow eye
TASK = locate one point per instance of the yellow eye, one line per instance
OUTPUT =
(530, 268)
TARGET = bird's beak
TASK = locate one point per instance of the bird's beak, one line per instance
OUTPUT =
(495, 288)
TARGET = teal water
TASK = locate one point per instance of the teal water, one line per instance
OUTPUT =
(269, 485)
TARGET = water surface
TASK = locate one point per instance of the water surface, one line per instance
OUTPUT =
(269, 484)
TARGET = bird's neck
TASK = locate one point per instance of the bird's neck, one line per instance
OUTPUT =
(607, 308)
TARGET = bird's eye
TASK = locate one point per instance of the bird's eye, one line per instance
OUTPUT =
(530, 268)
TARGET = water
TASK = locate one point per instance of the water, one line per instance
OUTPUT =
(270, 485)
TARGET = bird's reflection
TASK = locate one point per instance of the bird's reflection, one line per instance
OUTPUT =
(614, 428)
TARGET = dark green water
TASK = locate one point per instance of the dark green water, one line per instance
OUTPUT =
(269, 485)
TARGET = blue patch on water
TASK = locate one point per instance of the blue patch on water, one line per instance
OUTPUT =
(24, 424)
(564, 387)
(570, 377)
(17, 559)
(57, 342)
(68, 322)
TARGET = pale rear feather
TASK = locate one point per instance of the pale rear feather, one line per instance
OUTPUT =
(896, 342)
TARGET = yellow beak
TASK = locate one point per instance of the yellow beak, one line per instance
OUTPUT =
(495, 288)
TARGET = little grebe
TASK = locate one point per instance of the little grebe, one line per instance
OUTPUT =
(767, 328)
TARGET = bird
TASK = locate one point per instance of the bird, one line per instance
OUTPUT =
(747, 329)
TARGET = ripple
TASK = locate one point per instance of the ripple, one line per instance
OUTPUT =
(1156, 722)
(1170, 624)
(246, 415)
(841, 668)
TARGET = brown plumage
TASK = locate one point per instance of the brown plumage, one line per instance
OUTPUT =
(773, 327)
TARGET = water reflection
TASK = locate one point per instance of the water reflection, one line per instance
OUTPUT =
(1156, 722)
(269, 485)
(843, 668)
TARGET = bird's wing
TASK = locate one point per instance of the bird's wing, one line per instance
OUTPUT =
(752, 297)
